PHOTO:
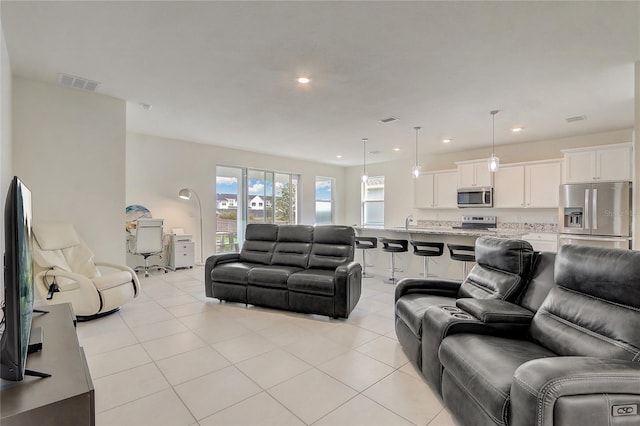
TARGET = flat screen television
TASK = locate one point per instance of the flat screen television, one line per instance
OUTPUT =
(18, 282)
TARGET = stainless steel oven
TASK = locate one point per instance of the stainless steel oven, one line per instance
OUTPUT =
(475, 197)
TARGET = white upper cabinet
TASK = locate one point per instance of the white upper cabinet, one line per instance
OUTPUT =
(446, 189)
(541, 184)
(529, 185)
(509, 186)
(474, 173)
(435, 190)
(423, 191)
(600, 163)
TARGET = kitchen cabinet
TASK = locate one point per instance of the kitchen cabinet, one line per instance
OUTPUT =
(530, 185)
(542, 241)
(436, 190)
(600, 163)
(474, 173)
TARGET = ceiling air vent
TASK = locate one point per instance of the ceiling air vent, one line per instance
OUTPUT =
(388, 120)
(576, 118)
(74, 82)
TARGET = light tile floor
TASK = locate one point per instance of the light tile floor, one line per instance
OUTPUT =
(174, 357)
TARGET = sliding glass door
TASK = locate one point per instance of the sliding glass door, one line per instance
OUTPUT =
(251, 196)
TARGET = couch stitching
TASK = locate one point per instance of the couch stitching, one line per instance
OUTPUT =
(526, 386)
(591, 333)
(553, 383)
(599, 299)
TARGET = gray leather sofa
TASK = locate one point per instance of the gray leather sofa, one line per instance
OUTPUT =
(300, 268)
(501, 272)
(571, 355)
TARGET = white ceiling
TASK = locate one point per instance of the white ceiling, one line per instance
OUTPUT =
(223, 73)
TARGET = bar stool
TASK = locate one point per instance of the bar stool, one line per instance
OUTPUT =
(463, 254)
(364, 244)
(394, 246)
(426, 250)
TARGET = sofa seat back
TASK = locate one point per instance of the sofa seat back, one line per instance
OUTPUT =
(333, 246)
(293, 246)
(501, 271)
(595, 308)
(541, 282)
(259, 244)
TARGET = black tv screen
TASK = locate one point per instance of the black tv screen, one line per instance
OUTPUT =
(18, 282)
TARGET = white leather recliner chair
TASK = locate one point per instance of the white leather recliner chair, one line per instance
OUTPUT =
(65, 272)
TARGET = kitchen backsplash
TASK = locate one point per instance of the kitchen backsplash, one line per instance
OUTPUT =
(513, 226)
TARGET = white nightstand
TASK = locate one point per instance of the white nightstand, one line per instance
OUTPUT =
(181, 252)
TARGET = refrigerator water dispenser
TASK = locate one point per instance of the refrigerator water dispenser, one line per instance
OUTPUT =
(573, 217)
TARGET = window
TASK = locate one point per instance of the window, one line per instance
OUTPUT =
(324, 200)
(252, 196)
(373, 201)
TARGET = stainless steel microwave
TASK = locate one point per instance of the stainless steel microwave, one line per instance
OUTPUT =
(475, 197)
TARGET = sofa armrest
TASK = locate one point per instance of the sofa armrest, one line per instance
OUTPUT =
(495, 311)
(576, 390)
(211, 263)
(431, 286)
(440, 321)
(348, 282)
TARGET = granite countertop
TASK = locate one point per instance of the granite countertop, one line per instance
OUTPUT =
(447, 230)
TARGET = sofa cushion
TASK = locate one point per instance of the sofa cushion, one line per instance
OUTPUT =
(541, 281)
(271, 275)
(410, 309)
(593, 310)
(502, 270)
(484, 367)
(232, 272)
(509, 255)
(574, 324)
(313, 281)
(293, 246)
(608, 274)
(333, 246)
(259, 244)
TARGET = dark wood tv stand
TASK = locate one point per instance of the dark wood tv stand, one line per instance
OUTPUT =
(65, 398)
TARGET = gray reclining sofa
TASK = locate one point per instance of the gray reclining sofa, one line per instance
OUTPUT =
(299, 268)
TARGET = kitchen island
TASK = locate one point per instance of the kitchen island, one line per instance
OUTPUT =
(410, 264)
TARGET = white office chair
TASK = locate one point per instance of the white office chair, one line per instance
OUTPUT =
(147, 241)
(65, 272)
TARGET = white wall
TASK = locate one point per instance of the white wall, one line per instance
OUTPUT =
(69, 149)
(636, 147)
(157, 168)
(6, 170)
(399, 183)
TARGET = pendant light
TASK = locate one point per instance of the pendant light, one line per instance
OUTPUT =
(494, 162)
(415, 171)
(364, 160)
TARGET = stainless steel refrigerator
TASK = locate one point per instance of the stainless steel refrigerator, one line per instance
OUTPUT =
(595, 214)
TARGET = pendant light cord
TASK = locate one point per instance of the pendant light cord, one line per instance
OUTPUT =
(493, 132)
(364, 156)
(417, 128)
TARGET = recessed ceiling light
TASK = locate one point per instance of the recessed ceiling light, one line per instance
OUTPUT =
(338, 155)
(446, 140)
(396, 149)
(304, 79)
(516, 129)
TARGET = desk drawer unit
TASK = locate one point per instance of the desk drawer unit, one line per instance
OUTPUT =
(181, 254)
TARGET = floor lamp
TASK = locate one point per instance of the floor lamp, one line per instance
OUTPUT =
(185, 194)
